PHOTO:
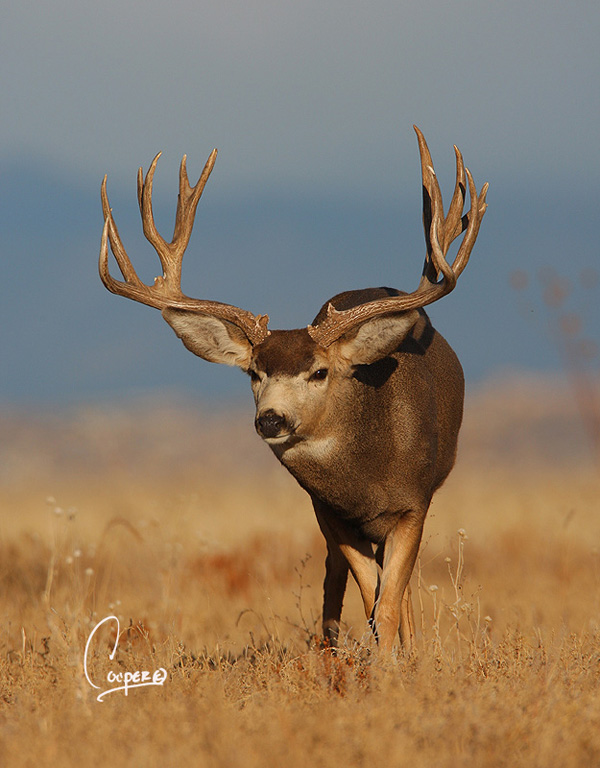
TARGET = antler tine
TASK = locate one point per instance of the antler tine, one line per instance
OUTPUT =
(436, 255)
(111, 233)
(432, 204)
(454, 222)
(133, 288)
(473, 218)
(440, 231)
(170, 257)
(189, 198)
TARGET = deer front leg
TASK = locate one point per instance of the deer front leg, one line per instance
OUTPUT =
(345, 550)
(334, 588)
(393, 610)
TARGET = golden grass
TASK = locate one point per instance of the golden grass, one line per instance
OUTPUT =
(187, 529)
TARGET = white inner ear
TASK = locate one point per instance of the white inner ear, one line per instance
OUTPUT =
(215, 340)
(377, 338)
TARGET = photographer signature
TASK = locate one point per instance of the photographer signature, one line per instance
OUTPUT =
(126, 680)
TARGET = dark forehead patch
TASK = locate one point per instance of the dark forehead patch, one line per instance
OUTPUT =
(285, 352)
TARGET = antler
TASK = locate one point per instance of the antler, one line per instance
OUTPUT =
(440, 232)
(166, 291)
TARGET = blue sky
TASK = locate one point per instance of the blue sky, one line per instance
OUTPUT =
(317, 186)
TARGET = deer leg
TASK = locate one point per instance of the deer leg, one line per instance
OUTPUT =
(393, 611)
(334, 588)
(345, 550)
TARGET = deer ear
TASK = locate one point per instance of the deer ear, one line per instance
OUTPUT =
(215, 340)
(376, 338)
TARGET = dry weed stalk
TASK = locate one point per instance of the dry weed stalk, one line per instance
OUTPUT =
(465, 621)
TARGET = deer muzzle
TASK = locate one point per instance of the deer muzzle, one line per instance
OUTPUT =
(270, 424)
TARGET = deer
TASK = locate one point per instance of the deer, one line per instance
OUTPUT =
(363, 406)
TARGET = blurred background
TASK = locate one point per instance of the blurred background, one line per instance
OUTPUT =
(131, 479)
(317, 184)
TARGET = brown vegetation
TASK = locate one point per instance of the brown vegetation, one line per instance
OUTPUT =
(186, 528)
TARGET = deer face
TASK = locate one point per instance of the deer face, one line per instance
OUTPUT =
(297, 383)
(291, 379)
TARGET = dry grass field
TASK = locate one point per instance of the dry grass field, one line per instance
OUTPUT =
(182, 524)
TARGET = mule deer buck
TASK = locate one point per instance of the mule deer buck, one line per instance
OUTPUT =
(363, 406)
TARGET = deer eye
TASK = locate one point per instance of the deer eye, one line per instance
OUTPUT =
(319, 375)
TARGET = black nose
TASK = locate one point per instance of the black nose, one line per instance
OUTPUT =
(270, 423)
